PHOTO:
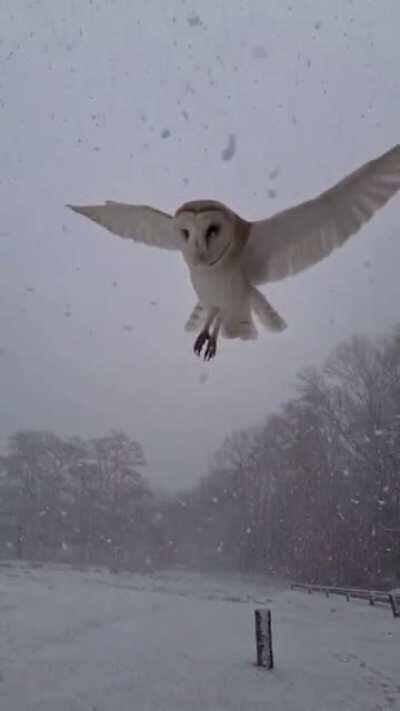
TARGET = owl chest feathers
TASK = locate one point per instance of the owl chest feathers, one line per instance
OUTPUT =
(225, 288)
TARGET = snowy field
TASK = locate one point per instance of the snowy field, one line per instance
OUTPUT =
(76, 641)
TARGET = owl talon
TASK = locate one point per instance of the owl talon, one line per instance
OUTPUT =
(205, 338)
(201, 339)
(211, 348)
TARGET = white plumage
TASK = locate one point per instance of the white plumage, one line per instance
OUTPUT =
(228, 256)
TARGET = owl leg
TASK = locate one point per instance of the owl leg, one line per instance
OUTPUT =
(205, 336)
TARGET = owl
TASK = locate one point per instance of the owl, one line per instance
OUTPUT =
(228, 257)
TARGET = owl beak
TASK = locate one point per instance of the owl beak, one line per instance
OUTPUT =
(197, 259)
(199, 256)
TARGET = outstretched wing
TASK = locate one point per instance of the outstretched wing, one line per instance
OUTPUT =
(295, 239)
(137, 222)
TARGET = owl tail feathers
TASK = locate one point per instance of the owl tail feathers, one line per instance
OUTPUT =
(244, 329)
(266, 313)
(196, 319)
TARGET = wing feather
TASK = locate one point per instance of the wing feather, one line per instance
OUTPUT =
(295, 239)
(137, 222)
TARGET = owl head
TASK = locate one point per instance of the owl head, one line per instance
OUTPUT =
(210, 233)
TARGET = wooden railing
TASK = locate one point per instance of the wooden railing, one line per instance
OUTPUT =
(391, 597)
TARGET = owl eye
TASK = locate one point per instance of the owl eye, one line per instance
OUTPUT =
(212, 231)
(185, 233)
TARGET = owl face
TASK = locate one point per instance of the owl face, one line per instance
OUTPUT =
(207, 233)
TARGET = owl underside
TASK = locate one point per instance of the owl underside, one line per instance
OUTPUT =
(243, 328)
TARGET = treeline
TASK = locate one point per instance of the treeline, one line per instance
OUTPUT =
(76, 500)
(313, 494)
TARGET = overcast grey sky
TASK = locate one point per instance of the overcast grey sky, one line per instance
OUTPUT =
(136, 101)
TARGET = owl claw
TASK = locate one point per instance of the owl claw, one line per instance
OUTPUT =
(211, 349)
(201, 339)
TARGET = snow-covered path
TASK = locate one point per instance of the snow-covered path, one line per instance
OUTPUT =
(73, 641)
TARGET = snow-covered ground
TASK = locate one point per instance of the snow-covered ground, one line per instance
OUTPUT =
(94, 641)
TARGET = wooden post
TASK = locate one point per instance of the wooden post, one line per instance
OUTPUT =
(264, 639)
(393, 604)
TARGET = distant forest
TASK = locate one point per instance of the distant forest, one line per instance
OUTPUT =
(312, 494)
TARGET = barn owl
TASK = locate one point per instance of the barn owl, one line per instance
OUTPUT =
(229, 256)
